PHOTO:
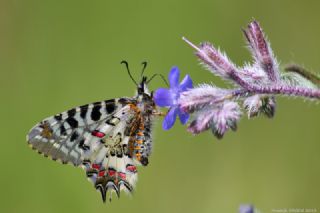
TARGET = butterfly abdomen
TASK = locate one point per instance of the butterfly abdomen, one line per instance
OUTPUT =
(140, 140)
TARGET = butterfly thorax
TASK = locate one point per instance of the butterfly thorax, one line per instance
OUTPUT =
(144, 98)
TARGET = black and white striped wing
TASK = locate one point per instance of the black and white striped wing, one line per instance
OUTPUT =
(63, 136)
(100, 137)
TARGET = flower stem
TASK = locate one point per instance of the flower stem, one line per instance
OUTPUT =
(305, 73)
(286, 90)
(278, 90)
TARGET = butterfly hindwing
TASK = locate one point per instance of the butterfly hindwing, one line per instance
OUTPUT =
(110, 165)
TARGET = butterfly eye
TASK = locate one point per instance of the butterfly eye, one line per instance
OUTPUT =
(140, 90)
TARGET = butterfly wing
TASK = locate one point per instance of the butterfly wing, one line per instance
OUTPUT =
(110, 164)
(98, 136)
(62, 136)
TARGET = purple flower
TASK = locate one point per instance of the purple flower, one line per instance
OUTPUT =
(246, 208)
(169, 98)
(256, 85)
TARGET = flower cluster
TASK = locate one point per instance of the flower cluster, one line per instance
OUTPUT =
(255, 87)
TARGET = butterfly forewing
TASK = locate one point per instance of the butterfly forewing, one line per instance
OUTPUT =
(62, 136)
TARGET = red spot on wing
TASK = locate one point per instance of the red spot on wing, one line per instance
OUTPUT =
(122, 175)
(96, 166)
(98, 134)
(101, 173)
(111, 172)
(131, 168)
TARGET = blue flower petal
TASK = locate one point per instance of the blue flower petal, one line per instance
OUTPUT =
(169, 98)
(183, 117)
(246, 209)
(163, 97)
(170, 118)
(186, 83)
(174, 76)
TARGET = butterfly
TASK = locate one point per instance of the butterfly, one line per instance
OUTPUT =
(108, 139)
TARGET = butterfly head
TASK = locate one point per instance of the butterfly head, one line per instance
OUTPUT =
(142, 87)
(143, 92)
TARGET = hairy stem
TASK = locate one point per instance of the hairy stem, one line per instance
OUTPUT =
(278, 90)
(305, 73)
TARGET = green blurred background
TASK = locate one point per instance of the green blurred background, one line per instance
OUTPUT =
(57, 54)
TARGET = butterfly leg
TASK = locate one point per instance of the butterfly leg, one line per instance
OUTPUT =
(159, 113)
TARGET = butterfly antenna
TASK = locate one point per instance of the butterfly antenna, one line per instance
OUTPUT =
(152, 77)
(144, 67)
(127, 66)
